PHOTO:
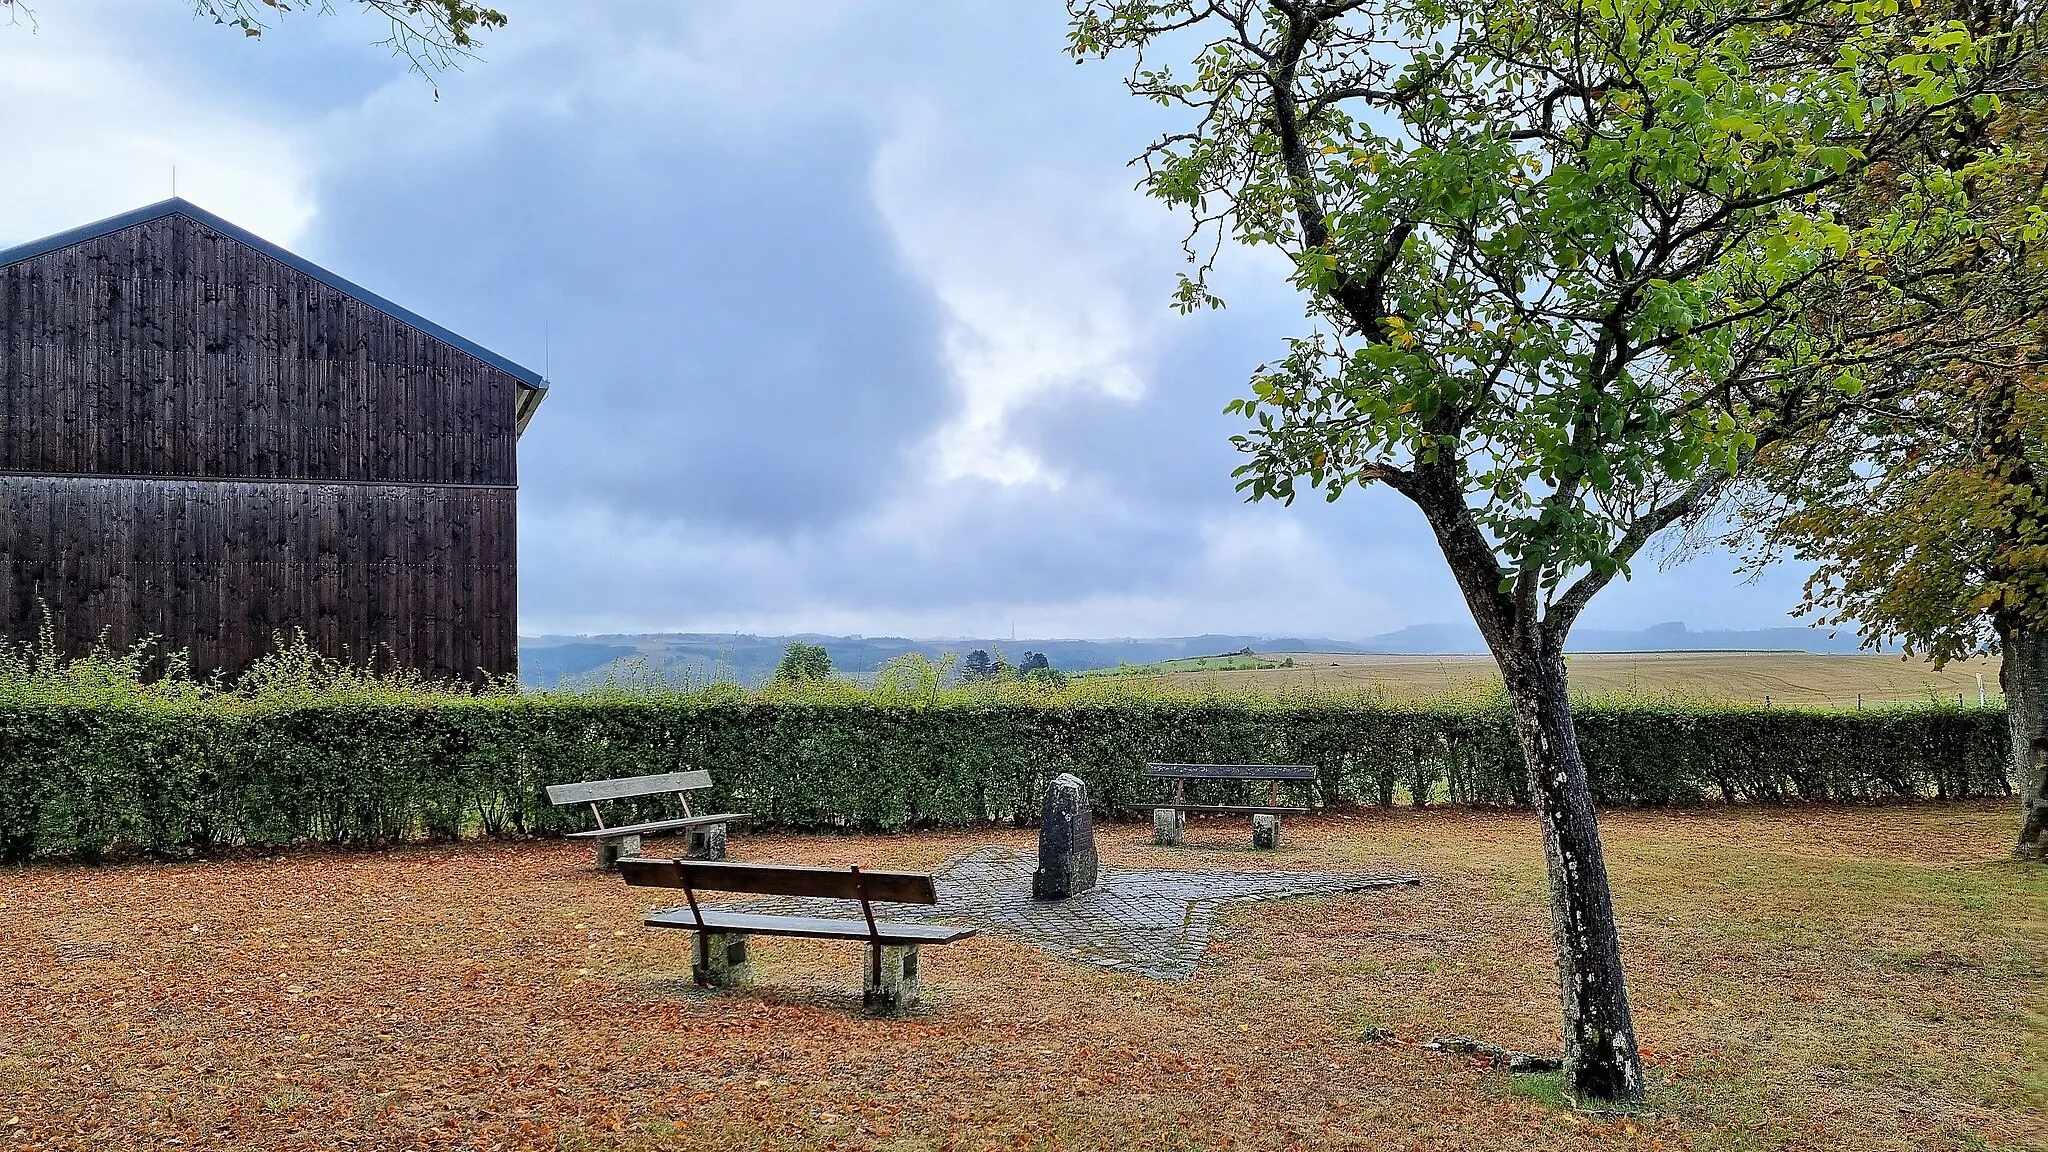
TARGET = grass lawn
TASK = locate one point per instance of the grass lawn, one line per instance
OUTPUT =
(1815, 977)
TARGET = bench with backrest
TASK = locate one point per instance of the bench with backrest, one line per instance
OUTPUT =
(707, 832)
(890, 981)
(1169, 817)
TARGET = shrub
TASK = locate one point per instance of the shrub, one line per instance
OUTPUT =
(93, 760)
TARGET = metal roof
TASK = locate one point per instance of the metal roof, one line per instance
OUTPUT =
(177, 206)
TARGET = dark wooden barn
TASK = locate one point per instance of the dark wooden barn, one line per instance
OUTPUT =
(208, 440)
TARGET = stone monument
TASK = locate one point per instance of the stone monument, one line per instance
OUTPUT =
(1066, 841)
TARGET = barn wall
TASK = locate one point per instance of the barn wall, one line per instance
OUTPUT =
(202, 443)
(168, 349)
(219, 566)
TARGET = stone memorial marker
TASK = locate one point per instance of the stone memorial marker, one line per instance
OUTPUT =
(1066, 841)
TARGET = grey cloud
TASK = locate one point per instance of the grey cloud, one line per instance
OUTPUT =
(739, 231)
(732, 339)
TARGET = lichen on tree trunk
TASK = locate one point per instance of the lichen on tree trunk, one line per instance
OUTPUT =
(1601, 1060)
(2023, 674)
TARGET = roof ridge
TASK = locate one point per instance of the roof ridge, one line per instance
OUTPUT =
(179, 206)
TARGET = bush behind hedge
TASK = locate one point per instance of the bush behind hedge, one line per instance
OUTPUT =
(92, 763)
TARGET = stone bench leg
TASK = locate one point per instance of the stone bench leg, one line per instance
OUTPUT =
(1266, 832)
(890, 983)
(707, 843)
(722, 960)
(609, 851)
(1167, 824)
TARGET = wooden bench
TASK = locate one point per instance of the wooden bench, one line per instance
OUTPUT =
(707, 832)
(890, 974)
(1170, 818)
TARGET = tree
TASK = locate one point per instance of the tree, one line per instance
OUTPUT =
(1557, 259)
(980, 666)
(1929, 526)
(1924, 513)
(977, 667)
(1923, 509)
(915, 674)
(801, 661)
(432, 35)
(1036, 668)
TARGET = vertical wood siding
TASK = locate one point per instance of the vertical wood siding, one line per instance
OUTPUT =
(168, 349)
(206, 445)
(225, 564)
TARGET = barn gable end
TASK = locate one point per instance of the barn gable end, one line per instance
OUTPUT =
(206, 439)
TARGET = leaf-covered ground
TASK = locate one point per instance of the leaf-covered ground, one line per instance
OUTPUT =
(1813, 978)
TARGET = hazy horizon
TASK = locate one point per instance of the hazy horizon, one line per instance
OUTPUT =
(1677, 626)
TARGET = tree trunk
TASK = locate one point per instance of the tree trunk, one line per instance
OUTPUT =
(2024, 676)
(1601, 1061)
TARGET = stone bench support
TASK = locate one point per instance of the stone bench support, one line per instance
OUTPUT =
(723, 960)
(1266, 832)
(891, 984)
(1167, 825)
(707, 843)
(609, 851)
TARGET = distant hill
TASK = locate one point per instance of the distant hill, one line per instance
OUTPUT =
(749, 659)
(547, 661)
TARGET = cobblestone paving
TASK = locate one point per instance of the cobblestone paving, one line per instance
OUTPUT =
(1151, 922)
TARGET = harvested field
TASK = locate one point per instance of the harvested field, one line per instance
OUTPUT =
(1733, 677)
(1805, 978)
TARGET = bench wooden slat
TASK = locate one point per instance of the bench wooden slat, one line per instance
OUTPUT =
(1234, 809)
(1230, 771)
(814, 927)
(653, 826)
(589, 790)
(780, 880)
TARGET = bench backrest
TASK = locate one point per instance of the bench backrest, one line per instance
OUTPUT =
(781, 880)
(1230, 771)
(591, 791)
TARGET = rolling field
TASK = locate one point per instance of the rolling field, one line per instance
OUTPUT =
(1738, 677)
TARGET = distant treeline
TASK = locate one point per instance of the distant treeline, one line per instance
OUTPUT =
(546, 662)
(93, 761)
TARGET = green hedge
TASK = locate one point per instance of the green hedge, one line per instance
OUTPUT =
(85, 774)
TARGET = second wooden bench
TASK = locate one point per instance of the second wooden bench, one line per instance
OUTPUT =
(707, 832)
(1170, 817)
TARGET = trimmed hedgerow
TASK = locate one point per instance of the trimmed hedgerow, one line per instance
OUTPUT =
(187, 775)
(93, 762)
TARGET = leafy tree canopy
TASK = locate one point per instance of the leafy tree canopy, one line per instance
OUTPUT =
(801, 661)
(1933, 530)
(1922, 507)
(979, 665)
(432, 35)
(1561, 258)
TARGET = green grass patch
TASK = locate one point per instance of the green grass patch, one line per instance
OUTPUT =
(1542, 1087)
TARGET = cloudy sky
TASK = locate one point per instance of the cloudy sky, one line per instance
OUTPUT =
(854, 320)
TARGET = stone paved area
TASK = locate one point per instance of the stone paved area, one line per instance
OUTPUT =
(1147, 921)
